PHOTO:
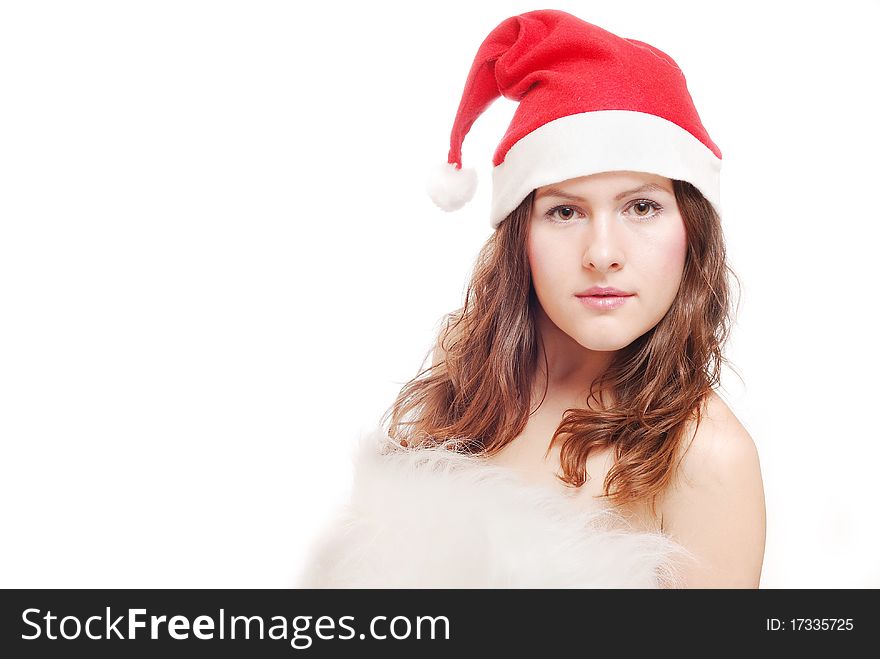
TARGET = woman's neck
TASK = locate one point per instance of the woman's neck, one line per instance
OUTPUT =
(563, 363)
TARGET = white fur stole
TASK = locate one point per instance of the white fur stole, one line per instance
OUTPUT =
(435, 518)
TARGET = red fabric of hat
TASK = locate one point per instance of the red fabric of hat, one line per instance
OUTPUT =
(589, 101)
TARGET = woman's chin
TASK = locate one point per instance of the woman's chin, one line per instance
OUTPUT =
(610, 344)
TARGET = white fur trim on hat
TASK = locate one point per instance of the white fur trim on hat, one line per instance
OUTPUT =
(602, 141)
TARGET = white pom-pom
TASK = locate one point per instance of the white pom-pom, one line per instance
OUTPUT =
(451, 188)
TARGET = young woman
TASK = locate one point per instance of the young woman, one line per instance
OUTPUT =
(567, 433)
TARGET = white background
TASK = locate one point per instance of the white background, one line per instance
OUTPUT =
(218, 265)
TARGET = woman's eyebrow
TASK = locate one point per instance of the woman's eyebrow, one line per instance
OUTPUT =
(648, 187)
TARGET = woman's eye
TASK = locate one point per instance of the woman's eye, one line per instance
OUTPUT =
(644, 208)
(564, 213)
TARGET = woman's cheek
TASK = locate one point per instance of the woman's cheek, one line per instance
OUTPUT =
(673, 256)
(670, 264)
(540, 262)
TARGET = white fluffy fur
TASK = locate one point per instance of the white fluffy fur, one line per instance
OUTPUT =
(434, 518)
(451, 188)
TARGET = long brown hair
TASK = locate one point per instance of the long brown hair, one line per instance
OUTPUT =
(480, 393)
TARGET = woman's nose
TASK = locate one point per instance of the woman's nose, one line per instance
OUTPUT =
(603, 249)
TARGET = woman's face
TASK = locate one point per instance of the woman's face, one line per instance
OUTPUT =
(606, 229)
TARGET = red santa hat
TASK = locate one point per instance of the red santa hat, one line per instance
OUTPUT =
(589, 102)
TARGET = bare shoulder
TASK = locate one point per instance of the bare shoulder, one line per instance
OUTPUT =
(720, 444)
(448, 334)
(715, 506)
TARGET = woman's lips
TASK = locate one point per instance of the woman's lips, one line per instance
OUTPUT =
(603, 302)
